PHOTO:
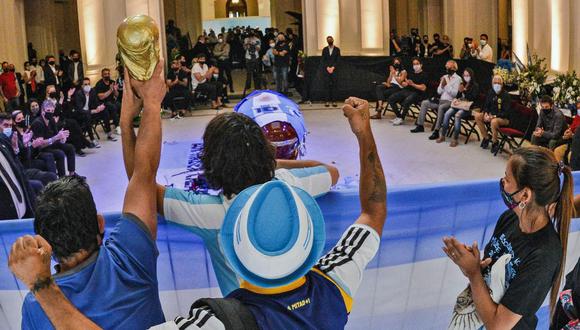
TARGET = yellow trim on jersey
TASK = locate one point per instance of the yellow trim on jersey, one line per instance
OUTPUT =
(295, 285)
(347, 299)
(281, 289)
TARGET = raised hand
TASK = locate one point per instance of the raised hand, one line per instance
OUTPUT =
(29, 260)
(357, 112)
(467, 258)
(153, 90)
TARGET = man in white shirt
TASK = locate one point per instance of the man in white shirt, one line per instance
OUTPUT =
(201, 75)
(484, 51)
(448, 88)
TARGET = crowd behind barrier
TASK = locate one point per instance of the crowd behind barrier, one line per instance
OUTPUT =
(357, 75)
(409, 285)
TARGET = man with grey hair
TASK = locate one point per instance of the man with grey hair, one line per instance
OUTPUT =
(447, 90)
(496, 112)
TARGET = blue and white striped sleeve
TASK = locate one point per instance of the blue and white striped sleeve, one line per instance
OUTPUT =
(195, 211)
(346, 262)
(314, 180)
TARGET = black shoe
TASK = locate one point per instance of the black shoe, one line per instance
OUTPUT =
(92, 145)
(495, 148)
(484, 143)
(418, 129)
(111, 138)
(434, 136)
(81, 153)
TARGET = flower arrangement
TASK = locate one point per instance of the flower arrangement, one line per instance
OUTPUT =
(509, 77)
(566, 89)
(531, 78)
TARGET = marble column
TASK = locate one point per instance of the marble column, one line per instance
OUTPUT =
(13, 36)
(520, 29)
(358, 27)
(574, 36)
(463, 18)
(98, 22)
(560, 35)
(41, 26)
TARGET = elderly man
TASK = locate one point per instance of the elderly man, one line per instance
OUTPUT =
(496, 112)
(448, 89)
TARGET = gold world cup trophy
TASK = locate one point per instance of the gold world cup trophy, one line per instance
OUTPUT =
(138, 44)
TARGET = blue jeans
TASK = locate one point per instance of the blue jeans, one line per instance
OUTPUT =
(459, 114)
(281, 74)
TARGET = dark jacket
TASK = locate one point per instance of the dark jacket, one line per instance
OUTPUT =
(499, 105)
(553, 123)
(80, 99)
(471, 93)
(49, 76)
(330, 60)
(70, 72)
(7, 209)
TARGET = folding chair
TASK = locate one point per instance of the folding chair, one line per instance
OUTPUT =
(518, 131)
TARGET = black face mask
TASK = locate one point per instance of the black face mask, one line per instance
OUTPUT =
(21, 124)
(51, 62)
(450, 72)
(107, 79)
(48, 115)
(34, 63)
(397, 66)
(76, 60)
(12, 70)
(546, 111)
(53, 95)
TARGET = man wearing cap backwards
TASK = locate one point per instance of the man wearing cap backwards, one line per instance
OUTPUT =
(272, 236)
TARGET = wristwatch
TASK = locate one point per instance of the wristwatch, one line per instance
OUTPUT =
(49, 140)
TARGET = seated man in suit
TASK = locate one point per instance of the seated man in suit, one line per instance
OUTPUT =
(16, 194)
(86, 102)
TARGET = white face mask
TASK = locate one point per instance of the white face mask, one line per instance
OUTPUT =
(215, 75)
(483, 42)
(467, 78)
(272, 45)
(220, 40)
(497, 88)
(417, 67)
(86, 88)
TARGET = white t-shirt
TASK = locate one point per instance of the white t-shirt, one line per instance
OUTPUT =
(198, 68)
(485, 53)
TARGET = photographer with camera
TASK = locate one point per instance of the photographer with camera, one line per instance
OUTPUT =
(252, 45)
(468, 50)
(394, 42)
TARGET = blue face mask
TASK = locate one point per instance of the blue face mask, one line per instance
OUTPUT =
(497, 88)
(508, 198)
(7, 131)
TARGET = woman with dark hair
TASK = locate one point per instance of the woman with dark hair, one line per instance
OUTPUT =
(526, 255)
(461, 106)
(236, 155)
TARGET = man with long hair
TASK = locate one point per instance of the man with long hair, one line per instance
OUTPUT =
(236, 155)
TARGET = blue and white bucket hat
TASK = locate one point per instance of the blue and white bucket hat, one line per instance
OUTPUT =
(273, 234)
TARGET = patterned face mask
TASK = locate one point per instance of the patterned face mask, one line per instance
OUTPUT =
(508, 198)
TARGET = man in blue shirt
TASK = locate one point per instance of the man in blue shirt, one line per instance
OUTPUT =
(114, 284)
(275, 248)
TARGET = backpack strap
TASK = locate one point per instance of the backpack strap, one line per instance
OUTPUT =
(233, 314)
